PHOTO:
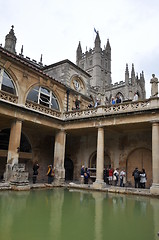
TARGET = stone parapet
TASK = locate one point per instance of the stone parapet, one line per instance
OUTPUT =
(113, 109)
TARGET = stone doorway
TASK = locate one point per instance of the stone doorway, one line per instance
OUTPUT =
(92, 164)
(3, 162)
(69, 169)
(141, 158)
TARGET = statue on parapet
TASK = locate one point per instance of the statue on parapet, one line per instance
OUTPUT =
(154, 86)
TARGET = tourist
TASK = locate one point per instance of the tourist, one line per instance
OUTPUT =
(86, 176)
(77, 104)
(82, 174)
(110, 175)
(116, 176)
(135, 97)
(122, 178)
(113, 101)
(106, 175)
(50, 174)
(143, 179)
(136, 175)
(118, 99)
(90, 105)
(35, 172)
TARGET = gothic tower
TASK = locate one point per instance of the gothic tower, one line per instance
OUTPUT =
(97, 63)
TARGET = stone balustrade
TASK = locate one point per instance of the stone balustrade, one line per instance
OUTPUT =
(40, 108)
(126, 107)
(152, 103)
(8, 97)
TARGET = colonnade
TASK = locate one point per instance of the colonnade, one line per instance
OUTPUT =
(59, 154)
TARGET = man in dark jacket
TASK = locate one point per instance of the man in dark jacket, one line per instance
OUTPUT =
(136, 175)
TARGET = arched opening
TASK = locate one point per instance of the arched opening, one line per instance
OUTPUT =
(6, 82)
(92, 164)
(69, 167)
(24, 152)
(141, 158)
(43, 96)
(120, 96)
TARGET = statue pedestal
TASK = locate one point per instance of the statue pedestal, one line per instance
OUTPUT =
(17, 176)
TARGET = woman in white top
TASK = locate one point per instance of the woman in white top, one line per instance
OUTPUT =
(143, 178)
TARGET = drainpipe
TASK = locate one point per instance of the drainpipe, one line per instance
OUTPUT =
(68, 92)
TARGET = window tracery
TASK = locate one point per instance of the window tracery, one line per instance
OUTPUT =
(6, 83)
(44, 97)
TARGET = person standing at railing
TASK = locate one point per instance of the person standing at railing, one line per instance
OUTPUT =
(113, 100)
(135, 97)
(118, 99)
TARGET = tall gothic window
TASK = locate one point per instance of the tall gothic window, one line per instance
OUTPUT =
(44, 97)
(6, 83)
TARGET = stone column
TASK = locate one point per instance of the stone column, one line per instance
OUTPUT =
(59, 155)
(15, 172)
(155, 158)
(99, 183)
(14, 142)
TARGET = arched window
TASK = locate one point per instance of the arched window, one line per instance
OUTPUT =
(6, 83)
(44, 97)
(120, 95)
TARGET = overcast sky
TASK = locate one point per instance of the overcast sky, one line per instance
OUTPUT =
(54, 28)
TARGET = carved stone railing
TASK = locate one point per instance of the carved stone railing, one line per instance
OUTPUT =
(113, 109)
(127, 107)
(4, 96)
(42, 109)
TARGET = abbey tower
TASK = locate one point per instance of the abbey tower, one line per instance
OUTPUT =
(97, 62)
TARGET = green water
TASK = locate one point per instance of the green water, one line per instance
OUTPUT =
(77, 215)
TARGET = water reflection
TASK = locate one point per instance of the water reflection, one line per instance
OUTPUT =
(61, 214)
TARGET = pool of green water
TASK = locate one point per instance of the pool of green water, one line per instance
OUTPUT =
(61, 214)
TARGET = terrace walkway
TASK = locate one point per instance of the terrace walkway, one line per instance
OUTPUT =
(87, 187)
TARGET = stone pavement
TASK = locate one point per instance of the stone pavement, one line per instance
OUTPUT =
(87, 187)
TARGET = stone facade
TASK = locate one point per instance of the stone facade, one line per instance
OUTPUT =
(39, 123)
(97, 63)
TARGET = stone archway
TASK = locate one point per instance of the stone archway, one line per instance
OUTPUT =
(141, 158)
(92, 163)
(24, 152)
(69, 168)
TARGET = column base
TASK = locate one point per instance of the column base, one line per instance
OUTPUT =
(59, 178)
(20, 186)
(99, 184)
(154, 189)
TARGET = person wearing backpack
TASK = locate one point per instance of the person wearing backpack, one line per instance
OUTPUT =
(136, 175)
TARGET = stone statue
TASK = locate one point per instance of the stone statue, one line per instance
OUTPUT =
(154, 86)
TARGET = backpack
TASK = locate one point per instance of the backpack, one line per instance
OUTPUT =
(136, 174)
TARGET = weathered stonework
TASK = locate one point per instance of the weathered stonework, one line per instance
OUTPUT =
(69, 137)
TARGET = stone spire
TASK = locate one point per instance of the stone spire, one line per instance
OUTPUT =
(108, 48)
(10, 41)
(127, 75)
(127, 70)
(78, 53)
(97, 40)
(133, 71)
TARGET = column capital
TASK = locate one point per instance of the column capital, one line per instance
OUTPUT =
(17, 120)
(154, 121)
(100, 128)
